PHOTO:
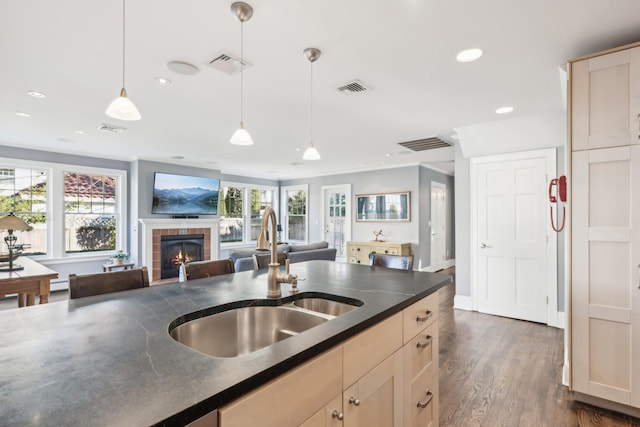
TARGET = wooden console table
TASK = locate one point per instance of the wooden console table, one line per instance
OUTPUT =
(34, 279)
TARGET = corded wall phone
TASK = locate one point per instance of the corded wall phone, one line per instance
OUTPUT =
(558, 189)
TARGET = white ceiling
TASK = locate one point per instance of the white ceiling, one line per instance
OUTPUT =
(403, 49)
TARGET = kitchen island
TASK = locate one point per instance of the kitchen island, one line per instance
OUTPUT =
(109, 360)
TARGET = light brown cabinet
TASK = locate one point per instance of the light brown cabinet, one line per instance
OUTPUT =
(605, 229)
(358, 252)
(375, 378)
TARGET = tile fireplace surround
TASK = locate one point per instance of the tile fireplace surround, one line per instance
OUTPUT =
(152, 229)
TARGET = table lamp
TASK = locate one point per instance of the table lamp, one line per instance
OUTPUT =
(10, 223)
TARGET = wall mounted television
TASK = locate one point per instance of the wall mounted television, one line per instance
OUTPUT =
(185, 195)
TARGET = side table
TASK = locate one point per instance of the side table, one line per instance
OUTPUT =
(111, 266)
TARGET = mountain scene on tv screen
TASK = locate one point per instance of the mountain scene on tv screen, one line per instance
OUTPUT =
(194, 200)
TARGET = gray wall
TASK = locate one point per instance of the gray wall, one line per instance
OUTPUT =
(412, 178)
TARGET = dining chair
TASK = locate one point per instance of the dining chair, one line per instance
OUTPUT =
(200, 269)
(86, 285)
(400, 262)
(261, 261)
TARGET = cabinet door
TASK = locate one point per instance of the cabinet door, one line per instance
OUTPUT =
(605, 274)
(605, 100)
(290, 399)
(329, 416)
(376, 399)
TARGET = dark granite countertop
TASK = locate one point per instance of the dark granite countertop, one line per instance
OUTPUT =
(109, 360)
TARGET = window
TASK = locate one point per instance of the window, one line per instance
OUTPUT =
(296, 212)
(241, 211)
(231, 219)
(90, 212)
(74, 210)
(24, 192)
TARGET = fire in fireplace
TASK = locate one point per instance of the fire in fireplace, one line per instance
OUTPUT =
(179, 248)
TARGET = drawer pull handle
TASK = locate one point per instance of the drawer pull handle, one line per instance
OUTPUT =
(424, 318)
(354, 401)
(338, 415)
(426, 343)
(427, 400)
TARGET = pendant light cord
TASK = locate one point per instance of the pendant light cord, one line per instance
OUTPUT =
(241, 69)
(123, 37)
(311, 102)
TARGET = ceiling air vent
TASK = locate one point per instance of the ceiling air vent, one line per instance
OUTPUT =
(425, 144)
(355, 87)
(111, 128)
(228, 63)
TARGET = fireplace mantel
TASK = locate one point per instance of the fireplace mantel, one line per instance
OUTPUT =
(176, 226)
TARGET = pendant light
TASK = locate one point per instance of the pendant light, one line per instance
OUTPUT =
(243, 12)
(312, 55)
(122, 108)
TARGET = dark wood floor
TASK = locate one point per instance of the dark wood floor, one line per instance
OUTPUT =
(496, 371)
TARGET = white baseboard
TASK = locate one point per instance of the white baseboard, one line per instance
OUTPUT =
(463, 302)
(558, 321)
(565, 373)
(447, 264)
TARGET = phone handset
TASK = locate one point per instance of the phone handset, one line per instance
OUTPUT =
(558, 189)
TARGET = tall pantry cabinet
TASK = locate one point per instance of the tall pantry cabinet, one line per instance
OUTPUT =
(605, 228)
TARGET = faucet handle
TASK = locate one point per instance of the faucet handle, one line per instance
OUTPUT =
(286, 265)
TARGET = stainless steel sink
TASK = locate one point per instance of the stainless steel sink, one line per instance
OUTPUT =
(325, 306)
(244, 330)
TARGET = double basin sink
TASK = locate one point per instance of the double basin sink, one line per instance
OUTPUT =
(237, 331)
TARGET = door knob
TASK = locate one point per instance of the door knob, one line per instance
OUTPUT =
(484, 246)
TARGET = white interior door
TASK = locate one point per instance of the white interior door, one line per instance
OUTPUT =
(438, 226)
(336, 217)
(512, 268)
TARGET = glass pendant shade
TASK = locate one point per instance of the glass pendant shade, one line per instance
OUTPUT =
(241, 137)
(123, 108)
(311, 153)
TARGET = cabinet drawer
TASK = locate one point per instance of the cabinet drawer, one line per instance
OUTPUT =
(353, 250)
(353, 259)
(369, 348)
(421, 406)
(311, 386)
(392, 251)
(421, 353)
(420, 315)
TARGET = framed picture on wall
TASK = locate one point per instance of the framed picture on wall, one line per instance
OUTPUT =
(384, 207)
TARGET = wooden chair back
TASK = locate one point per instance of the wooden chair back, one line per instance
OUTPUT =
(200, 269)
(261, 261)
(400, 262)
(86, 285)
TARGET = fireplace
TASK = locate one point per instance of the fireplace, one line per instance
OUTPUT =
(151, 232)
(178, 248)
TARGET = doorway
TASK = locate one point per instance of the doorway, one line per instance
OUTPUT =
(513, 252)
(438, 226)
(336, 215)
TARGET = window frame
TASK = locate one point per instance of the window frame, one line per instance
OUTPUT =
(55, 203)
(246, 209)
(285, 209)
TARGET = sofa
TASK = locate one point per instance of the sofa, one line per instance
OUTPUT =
(243, 258)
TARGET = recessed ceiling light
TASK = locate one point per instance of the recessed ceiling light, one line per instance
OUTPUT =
(387, 155)
(36, 94)
(22, 114)
(504, 110)
(162, 81)
(298, 148)
(80, 132)
(177, 157)
(469, 55)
